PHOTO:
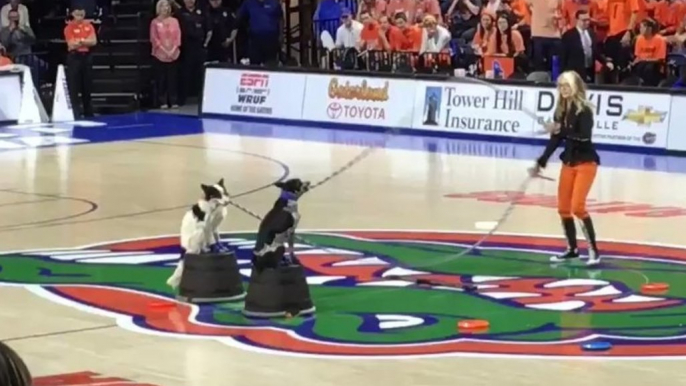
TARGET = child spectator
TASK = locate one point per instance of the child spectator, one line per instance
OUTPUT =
(484, 33)
(348, 34)
(546, 24)
(651, 53)
(505, 41)
(165, 37)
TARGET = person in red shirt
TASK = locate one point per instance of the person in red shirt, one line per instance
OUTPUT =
(80, 37)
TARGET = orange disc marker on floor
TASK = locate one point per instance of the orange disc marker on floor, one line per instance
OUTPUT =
(655, 287)
(473, 325)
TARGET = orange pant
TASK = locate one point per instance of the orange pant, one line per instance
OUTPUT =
(573, 187)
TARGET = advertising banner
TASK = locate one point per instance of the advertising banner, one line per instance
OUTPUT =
(676, 139)
(621, 118)
(11, 102)
(473, 108)
(253, 93)
(359, 100)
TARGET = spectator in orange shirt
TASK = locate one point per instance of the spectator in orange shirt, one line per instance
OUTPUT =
(600, 19)
(623, 18)
(521, 10)
(405, 6)
(483, 33)
(571, 7)
(650, 52)
(668, 14)
(546, 23)
(80, 37)
(410, 36)
(4, 60)
(428, 8)
(370, 33)
(505, 41)
(375, 9)
(386, 30)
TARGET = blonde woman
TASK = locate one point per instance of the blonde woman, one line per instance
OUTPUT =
(13, 370)
(573, 124)
(165, 37)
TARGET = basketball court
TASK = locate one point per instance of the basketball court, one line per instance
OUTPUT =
(89, 224)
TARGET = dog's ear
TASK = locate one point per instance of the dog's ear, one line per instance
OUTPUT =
(221, 183)
(206, 188)
(280, 185)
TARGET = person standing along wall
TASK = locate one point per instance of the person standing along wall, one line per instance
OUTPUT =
(223, 29)
(81, 38)
(195, 34)
(265, 29)
(165, 38)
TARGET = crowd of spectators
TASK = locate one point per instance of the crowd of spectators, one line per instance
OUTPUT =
(637, 42)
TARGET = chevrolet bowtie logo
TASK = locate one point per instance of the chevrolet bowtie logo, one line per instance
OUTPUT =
(645, 116)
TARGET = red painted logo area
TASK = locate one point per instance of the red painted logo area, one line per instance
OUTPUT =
(630, 209)
(84, 378)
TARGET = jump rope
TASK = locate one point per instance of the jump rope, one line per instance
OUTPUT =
(533, 173)
(388, 135)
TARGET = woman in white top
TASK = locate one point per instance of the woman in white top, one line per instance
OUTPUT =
(435, 38)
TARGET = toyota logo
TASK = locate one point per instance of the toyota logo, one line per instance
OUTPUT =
(334, 110)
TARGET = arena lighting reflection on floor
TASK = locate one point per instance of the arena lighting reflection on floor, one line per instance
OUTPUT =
(155, 125)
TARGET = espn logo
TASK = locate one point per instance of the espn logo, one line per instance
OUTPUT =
(255, 80)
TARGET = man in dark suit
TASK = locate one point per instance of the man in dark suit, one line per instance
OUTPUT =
(580, 49)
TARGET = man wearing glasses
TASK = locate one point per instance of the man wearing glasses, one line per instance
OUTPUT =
(580, 49)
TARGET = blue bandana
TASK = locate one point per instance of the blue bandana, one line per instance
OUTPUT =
(286, 195)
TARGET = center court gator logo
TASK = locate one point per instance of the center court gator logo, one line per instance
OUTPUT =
(368, 305)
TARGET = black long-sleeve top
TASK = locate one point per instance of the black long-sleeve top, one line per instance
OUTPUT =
(576, 130)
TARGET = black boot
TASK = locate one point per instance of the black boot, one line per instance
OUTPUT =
(572, 251)
(589, 233)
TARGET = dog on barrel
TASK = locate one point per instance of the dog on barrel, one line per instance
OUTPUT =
(278, 228)
(200, 226)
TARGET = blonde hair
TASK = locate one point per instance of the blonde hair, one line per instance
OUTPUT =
(429, 21)
(160, 3)
(578, 97)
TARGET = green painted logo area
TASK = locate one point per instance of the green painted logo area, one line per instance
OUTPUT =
(368, 304)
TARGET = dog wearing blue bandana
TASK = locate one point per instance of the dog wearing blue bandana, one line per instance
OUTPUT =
(278, 228)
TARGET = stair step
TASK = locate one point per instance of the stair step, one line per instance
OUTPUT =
(115, 86)
(130, 7)
(104, 58)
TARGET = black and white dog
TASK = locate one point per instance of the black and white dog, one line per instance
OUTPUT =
(200, 226)
(278, 227)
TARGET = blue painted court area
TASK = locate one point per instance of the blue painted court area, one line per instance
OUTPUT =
(154, 125)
